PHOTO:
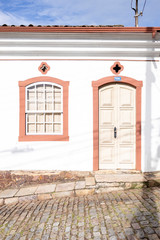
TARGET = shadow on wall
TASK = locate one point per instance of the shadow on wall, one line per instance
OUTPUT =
(146, 216)
(151, 162)
(18, 150)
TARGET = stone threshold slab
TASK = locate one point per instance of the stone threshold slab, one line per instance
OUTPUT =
(119, 178)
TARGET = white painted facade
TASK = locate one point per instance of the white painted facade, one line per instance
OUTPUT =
(79, 59)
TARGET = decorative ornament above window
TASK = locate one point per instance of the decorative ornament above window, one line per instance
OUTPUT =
(44, 68)
(116, 68)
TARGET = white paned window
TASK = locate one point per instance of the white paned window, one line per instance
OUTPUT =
(44, 110)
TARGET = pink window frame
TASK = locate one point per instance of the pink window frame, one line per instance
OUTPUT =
(22, 102)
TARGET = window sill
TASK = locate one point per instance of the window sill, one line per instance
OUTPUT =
(31, 138)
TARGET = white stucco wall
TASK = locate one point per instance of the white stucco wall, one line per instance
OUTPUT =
(77, 153)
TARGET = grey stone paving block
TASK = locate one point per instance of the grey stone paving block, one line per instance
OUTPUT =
(27, 198)
(26, 191)
(108, 189)
(131, 237)
(45, 188)
(68, 229)
(8, 193)
(144, 223)
(129, 231)
(136, 226)
(140, 234)
(80, 185)
(153, 237)
(121, 235)
(90, 181)
(65, 187)
(13, 200)
(96, 234)
(1, 202)
(149, 230)
(44, 196)
(154, 223)
(82, 192)
(113, 238)
(63, 194)
(96, 238)
(56, 224)
(8, 237)
(103, 230)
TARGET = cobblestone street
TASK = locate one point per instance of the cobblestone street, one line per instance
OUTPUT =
(131, 214)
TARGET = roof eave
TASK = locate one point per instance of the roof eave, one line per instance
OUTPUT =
(77, 29)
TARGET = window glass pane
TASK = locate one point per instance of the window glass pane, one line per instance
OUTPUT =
(57, 106)
(48, 117)
(48, 87)
(49, 106)
(49, 96)
(57, 96)
(57, 89)
(31, 106)
(40, 106)
(40, 88)
(30, 118)
(49, 128)
(30, 95)
(57, 128)
(40, 128)
(57, 117)
(31, 128)
(40, 118)
(40, 96)
(31, 88)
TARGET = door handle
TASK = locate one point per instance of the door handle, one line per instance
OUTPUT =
(115, 132)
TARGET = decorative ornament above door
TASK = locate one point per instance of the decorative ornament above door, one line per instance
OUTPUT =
(116, 68)
(44, 68)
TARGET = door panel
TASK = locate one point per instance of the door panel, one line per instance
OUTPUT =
(126, 117)
(117, 109)
(106, 136)
(107, 156)
(106, 117)
(126, 156)
(107, 97)
(126, 97)
(126, 136)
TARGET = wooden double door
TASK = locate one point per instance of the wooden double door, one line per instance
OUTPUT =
(117, 126)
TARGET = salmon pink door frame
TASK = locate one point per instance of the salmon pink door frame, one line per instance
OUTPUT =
(107, 80)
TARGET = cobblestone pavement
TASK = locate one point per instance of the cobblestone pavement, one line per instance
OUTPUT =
(131, 214)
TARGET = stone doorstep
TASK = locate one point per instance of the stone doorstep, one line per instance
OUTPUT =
(119, 178)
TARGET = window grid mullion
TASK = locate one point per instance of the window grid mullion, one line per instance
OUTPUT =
(53, 95)
(36, 100)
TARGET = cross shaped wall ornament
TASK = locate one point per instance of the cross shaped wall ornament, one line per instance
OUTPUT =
(44, 68)
(116, 68)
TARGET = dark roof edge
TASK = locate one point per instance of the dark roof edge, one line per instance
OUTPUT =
(78, 29)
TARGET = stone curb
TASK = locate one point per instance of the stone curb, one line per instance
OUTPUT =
(91, 185)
